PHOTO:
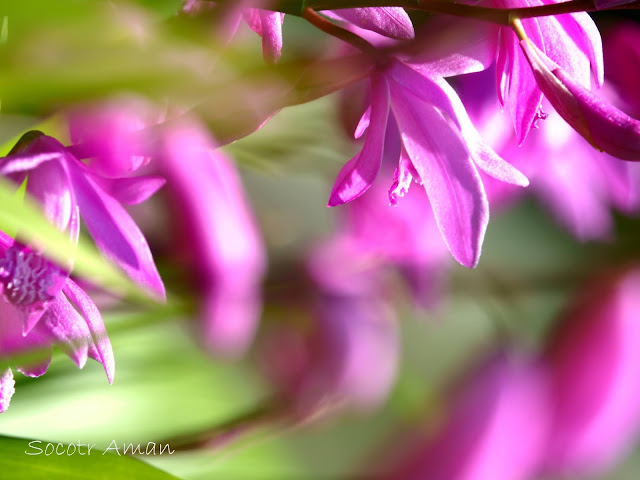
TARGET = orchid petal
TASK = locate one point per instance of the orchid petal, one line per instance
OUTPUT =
(587, 37)
(392, 22)
(103, 350)
(524, 95)
(132, 190)
(448, 174)
(115, 233)
(358, 174)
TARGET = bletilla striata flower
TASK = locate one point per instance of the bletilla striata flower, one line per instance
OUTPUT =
(441, 150)
(68, 190)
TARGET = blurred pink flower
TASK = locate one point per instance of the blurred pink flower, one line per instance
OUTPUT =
(220, 232)
(352, 328)
(496, 428)
(593, 359)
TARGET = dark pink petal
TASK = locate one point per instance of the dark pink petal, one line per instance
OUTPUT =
(448, 175)
(114, 231)
(103, 352)
(7, 389)
(358, 174)
(392, 22)
(132, 190)
(600, 123)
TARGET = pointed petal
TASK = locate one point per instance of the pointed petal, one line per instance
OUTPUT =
(358, 174)
(7, 389)
(115, 233)
(448, 175)
(523, 95)
(132, 190)
(392, 22)
(103, 351)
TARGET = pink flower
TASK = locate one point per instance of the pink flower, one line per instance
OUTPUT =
(496, 428)
(441, 150)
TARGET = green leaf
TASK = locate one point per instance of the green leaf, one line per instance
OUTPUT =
(24, 458)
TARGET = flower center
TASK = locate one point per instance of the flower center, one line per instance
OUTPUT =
(28, 277)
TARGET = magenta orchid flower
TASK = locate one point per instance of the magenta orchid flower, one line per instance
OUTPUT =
(70, 320)
(441, 150)
(593, 360)
(68, 190)
(600, 123)
(221, 234)
(497, 427)
(571, 41)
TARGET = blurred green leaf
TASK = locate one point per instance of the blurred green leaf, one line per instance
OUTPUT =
(17, 463)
